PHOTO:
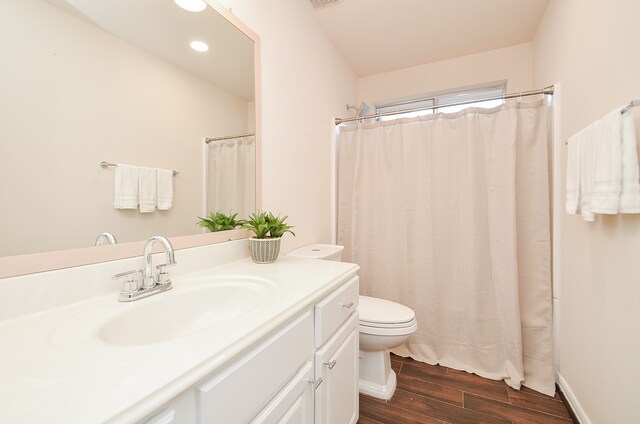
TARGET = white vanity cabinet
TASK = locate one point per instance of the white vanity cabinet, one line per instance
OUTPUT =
(304, 372)
(336, 360)
(241, 391)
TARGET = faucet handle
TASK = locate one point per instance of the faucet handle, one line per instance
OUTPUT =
(163, 275)
(132, 284)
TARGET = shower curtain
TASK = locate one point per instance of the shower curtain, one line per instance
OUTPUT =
(231, 176)
(449, 215)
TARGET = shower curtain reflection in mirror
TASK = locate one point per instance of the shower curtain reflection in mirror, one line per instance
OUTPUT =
(231, 176)
(449, 215)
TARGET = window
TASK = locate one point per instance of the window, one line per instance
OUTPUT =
(444, 99)
(412, 104)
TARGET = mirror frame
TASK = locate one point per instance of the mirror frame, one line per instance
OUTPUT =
(11, 266)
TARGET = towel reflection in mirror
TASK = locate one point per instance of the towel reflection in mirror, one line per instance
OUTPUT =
(146, 188)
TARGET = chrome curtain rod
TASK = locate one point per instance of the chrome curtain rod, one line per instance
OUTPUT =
(228, 137)
(105, 164)
(546, 90)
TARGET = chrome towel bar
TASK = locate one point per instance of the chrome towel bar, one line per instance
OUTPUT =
(105, 164)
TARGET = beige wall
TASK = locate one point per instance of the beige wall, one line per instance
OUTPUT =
(591, 48)
(73, 96)
(305, 83)
(513, 64)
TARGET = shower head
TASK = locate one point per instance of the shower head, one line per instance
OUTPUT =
(363, 110)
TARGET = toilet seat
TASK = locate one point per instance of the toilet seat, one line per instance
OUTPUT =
(407, 328)
(389, 325)
(385, 318)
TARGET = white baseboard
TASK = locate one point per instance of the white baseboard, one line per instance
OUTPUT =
(572, 399)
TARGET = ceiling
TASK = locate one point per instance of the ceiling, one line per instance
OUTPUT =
(377, 36)
(165, 30)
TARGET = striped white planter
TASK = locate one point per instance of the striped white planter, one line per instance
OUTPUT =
(264, 251)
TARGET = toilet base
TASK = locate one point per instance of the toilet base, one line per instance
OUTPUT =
(377, 379)
(384, 392)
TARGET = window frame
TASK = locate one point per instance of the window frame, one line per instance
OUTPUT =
(436, 103)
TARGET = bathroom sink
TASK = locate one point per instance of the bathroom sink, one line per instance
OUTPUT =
(205, 304)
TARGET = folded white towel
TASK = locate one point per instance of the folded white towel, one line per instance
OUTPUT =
(586, 172)
(602, 168)
(606, 136)
(147, 189)
(579, 181)
(630, 193)
(165, 189)
(126, 187)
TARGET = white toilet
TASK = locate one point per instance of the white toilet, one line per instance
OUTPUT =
(383, 326)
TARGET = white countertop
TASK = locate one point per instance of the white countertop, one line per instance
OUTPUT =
(54, 368)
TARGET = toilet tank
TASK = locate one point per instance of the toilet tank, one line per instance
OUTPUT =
(328, 252)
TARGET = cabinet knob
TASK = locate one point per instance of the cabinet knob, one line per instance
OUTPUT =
(330, 364)
(347, 305)
(316, 383)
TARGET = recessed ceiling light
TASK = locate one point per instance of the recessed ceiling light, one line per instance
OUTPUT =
(199, 46)
(192, 5)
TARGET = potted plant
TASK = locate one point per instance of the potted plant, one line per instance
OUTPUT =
(217, 221)
(264, 247)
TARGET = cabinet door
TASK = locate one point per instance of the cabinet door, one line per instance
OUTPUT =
(294, 403)
(238, 393)
(337, 364)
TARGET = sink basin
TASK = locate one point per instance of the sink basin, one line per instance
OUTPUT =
(206, 303)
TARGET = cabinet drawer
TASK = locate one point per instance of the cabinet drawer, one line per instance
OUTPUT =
(238, 393)
(334, 310)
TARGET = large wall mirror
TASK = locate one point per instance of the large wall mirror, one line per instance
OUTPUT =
(86, 81)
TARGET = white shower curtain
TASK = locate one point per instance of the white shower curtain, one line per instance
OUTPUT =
(231, 176)
(449, 215)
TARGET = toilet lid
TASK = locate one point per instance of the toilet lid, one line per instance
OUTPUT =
(375, 311)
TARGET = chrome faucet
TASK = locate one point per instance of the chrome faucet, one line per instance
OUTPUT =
(148, 280)
(108, 237)
(132, 289)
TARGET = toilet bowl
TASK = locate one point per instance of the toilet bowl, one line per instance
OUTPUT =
(383, 325)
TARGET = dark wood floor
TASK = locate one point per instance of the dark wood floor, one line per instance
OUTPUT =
(434, 394)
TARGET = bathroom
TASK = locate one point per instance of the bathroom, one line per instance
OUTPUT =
(304, 78)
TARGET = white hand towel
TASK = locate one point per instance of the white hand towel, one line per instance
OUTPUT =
(126, 187)
(148, 189)
(630, 193)
(165, 189)
(586, 137)
(572, 201)
(606, 136)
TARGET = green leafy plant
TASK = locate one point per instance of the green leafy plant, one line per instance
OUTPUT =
(266, 225)
(217, 221)
(258, 223)
(277, 226)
